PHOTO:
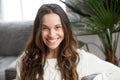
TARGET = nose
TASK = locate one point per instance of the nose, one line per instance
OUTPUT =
(52, 33)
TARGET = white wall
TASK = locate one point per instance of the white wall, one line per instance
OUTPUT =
(0, 10)
(23, 10)
(11, 10)
(20, 10)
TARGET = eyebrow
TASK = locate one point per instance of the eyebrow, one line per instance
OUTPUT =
(55, 25)
(44, 25)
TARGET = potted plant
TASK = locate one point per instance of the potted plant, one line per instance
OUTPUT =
(103, 19)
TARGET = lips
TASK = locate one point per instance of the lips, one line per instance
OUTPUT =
(52, 41)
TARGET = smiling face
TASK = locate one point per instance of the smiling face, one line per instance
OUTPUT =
(52, 31)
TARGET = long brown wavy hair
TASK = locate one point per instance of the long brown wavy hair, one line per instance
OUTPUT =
(35, 53)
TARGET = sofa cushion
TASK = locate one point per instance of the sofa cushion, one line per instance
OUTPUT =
(13, 37)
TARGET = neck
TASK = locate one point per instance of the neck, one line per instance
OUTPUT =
(52, 54)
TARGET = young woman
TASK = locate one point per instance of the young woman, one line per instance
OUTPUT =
(52, 54)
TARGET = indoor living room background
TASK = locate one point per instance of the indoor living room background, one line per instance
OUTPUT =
(16, 20)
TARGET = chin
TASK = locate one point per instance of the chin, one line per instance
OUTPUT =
(52, 47)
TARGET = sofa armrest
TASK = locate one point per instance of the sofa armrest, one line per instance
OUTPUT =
(10, 72)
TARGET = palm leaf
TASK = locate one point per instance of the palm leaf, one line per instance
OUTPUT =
(105, 13)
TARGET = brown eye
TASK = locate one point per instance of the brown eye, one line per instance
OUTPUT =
(44, 27)
(58, 27)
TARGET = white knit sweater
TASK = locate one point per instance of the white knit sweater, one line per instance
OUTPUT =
(89, 64)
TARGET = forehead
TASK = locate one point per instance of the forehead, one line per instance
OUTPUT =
(51, 18)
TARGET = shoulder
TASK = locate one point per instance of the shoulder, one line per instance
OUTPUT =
(19, 62)
(84, 55)
(19, 59)
(82, 52)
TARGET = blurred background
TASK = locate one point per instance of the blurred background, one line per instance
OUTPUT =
(22, 10)
(16, 21)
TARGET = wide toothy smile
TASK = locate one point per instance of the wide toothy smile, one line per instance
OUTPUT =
(52, 40)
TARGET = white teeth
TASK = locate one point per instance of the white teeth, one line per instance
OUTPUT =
(52, 40)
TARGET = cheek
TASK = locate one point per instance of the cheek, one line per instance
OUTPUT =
(62, 33)
(44, 34)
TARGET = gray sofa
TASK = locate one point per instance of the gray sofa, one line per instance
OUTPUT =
(13, 37)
